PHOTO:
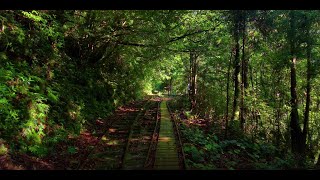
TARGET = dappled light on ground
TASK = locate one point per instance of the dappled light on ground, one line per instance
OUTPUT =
(165, 139)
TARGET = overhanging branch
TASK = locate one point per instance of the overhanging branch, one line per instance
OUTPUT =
(134, 44)
(172, 40)
(192, 33)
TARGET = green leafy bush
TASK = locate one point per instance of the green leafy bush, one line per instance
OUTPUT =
(205, 151)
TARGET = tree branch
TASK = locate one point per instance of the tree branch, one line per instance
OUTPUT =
(193, 33)
(134, 44)
(172, 40)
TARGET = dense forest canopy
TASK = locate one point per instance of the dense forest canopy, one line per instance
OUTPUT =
(253, 74)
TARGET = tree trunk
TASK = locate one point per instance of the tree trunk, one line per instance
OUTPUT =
(294, 116)
(236, 65)
(170, 87)
(227, 106)
(244, 72)
(308, 98)
(296, 134)
(190, 76)
(278, 108)
(195, 85)
(193, 79)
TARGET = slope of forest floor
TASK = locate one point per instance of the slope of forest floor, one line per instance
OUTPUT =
(206, 147)
(73, 152)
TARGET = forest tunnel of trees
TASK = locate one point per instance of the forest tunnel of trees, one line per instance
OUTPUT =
(252, 76)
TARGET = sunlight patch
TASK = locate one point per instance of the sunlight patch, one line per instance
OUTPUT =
(112, 143)
(164, 139)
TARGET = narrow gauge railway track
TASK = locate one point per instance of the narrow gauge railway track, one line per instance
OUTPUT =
(150, 160)
(141, 144)
(107, 152)
(181, 154)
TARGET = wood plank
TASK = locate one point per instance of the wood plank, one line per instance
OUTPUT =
(166, 154)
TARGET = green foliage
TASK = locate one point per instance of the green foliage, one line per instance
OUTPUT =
(3, 148)
(180, 103)
(62, 70)
(206, 151)
(72, 150)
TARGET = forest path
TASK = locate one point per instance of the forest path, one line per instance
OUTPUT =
(166, 154)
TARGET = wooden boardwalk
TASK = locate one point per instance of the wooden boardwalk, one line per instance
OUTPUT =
(166, 154)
